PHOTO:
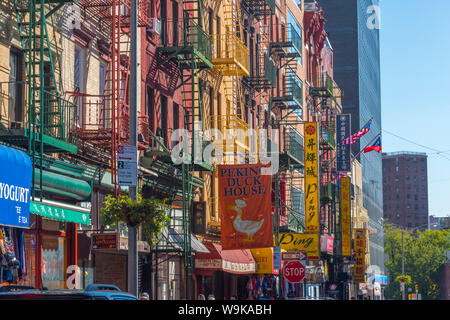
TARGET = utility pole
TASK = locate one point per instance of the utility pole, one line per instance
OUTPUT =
(277, 232)
(132, 234)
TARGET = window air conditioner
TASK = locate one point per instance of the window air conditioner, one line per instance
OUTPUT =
(155, 26)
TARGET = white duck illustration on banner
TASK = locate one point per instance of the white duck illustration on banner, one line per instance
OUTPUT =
(245, 226)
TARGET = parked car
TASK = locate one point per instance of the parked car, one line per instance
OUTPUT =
(92, 292)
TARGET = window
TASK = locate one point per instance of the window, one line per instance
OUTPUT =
(15, 110)
(101, 91)
(78, 82)
(151, 107)
(175, 24)
(163, 12)
(164, 125)
(210, 21)
(218, 47)
(53, 261)
(176, 116)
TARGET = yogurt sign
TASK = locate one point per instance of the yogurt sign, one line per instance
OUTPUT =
(15, 187)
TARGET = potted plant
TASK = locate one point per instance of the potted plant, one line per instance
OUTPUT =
(150, 213)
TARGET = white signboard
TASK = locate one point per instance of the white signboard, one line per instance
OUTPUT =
(127, 166)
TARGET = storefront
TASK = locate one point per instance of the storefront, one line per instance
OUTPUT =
(265, 283)
(168, 279)
(51, 244)
(39, 236)
(15, 189)
(223, 273)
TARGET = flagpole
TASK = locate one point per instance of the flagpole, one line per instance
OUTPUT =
(371, 141)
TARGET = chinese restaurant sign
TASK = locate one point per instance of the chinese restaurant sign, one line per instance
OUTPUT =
(360, 257)
(301, 242)
(105, 241)
(199, 214)
(343, 131)
(245, 206)
(311, 178)
(345, 217)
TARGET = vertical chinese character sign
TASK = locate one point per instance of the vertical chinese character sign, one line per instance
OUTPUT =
(245, 206)
(343, 152)
(360, 257)
(311, 178)
(199, 216)
(345, 217)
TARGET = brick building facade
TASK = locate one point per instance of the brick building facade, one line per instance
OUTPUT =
(405, 189)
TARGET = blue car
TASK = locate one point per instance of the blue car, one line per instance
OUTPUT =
(92, 292)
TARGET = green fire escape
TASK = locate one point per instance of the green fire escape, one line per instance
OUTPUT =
(48, 116)
(186, 44)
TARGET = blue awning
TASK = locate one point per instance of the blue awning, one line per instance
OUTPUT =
(15, 187)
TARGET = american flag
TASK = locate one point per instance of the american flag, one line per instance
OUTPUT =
(355, 137)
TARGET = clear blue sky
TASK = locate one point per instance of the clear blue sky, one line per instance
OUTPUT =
(415, 84)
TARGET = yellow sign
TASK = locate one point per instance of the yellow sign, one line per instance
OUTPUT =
(264, 260)
(345, 217)
(308, 242)
(360, 257)
(311, 178)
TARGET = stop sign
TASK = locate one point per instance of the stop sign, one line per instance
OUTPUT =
(294, 271)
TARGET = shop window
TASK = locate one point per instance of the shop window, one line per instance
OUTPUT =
(53, 262)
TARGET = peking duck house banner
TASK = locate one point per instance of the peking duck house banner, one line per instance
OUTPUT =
(245, 206)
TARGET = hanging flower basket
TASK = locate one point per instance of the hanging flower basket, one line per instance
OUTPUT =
(403, 279)
(150, 213)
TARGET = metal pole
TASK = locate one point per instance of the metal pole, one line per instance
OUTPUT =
(403, 269)
(277, 232)
(132, 234)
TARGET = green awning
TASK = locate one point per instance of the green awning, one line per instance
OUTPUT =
(60, 211)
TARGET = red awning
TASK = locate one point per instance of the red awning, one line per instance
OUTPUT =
(231, 261)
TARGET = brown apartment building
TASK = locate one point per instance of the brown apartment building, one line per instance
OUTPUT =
(405, 189)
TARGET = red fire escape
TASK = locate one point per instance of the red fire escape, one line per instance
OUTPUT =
(105, 117)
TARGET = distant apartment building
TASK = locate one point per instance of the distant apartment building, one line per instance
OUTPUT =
(405, 189)
(439, 223)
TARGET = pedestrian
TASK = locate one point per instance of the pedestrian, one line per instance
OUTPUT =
(145, 296)
(201, 296)
(211, 297)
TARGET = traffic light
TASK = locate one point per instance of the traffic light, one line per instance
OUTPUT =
(417, 288)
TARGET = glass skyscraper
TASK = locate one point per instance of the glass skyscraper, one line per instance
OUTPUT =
(353, 30)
